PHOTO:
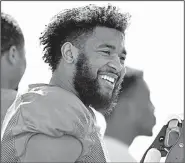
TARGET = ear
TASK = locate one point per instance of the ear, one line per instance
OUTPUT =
(69, 52)
(12, 55)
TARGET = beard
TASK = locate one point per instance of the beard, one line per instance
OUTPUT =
(88, 88)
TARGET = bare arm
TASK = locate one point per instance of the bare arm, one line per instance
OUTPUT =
(42, 148)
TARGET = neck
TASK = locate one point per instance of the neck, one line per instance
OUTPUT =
(65, 82)
(125, 133)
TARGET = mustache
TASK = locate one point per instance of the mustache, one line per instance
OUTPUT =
(120, 75)
(110, 70)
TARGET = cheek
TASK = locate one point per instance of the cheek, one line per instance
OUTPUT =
(98, 64)
(141, 111)
(22, 66)
(95, 66)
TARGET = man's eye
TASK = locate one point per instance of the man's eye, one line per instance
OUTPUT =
(107, 52)
(122, 58)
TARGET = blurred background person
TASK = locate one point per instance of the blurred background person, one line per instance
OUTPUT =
(132, 117)
(13, 62)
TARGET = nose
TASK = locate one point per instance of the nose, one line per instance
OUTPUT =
(152, 108)
(116, 65)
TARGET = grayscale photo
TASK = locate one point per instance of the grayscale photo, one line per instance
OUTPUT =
(92, 81)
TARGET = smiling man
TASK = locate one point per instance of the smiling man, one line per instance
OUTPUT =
(59, 122)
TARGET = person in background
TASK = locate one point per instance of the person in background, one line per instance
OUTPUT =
(132, 117)
(59, 122)
(13, 62)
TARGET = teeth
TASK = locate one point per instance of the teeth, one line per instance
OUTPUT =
(110, 79)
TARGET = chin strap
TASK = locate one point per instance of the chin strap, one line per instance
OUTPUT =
(169, 142)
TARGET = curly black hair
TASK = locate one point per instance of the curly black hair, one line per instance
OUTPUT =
(70, 24)
(11, 33)
(130, 80)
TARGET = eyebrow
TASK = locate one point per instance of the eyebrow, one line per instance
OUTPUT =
(112, 47)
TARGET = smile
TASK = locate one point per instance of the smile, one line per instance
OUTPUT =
(108, 79)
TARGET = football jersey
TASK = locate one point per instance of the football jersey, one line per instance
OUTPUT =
(53, 111)
(7, 98)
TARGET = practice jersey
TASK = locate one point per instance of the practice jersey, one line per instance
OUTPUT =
(7, 98)
(55, 112)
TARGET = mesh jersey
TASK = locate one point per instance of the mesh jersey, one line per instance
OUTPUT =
(52, 111)
(7, 98)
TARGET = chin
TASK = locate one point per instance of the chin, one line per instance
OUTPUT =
(150, 134)
(105, 93)
(146, 132)
(106, 96)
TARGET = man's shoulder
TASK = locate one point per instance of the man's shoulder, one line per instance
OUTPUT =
(52, 93)
(52, 109)
(50, 98)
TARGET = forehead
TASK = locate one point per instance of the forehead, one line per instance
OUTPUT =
(104, 35)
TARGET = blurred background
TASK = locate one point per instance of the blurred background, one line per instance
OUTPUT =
(154, 42)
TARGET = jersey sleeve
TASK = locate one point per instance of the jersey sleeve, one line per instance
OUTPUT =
(55, 113)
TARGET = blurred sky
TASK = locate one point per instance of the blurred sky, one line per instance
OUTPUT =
(154, 43)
